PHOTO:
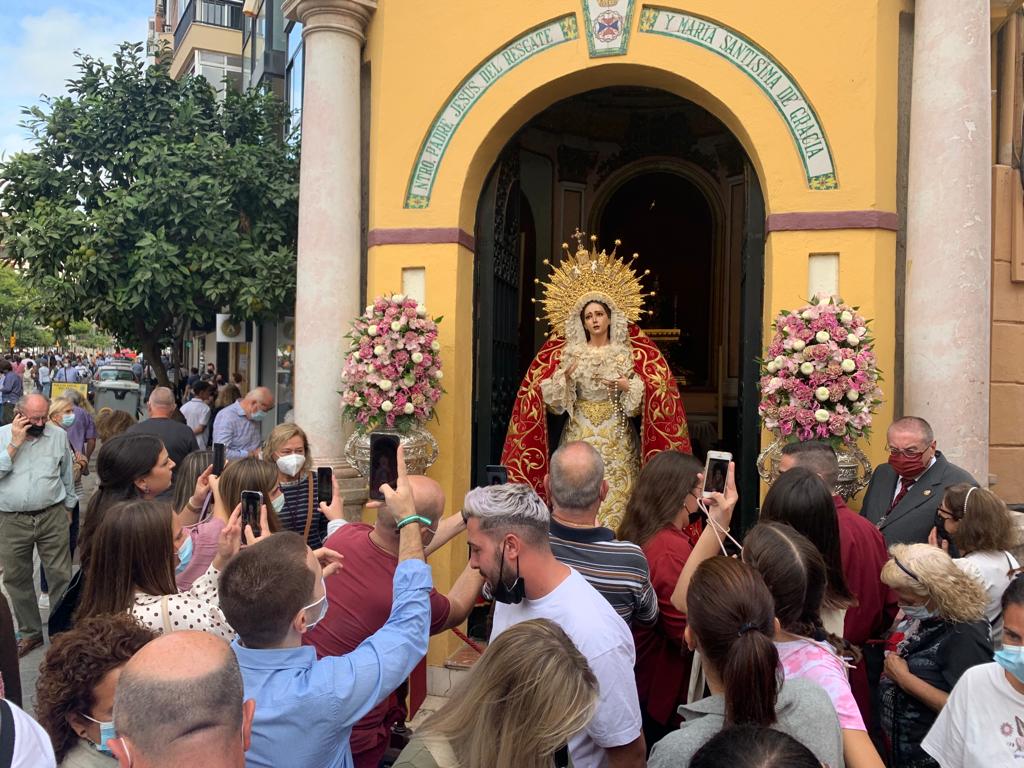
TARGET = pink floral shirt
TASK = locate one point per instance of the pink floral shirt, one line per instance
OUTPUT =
(810, 660)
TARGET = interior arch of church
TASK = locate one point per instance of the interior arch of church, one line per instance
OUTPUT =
(669, 180)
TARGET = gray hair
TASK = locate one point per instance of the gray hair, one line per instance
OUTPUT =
(24, 400)
(154, 712)
(73, 395)
(914, 424)
(577, 471)
(162, 397)
(510, 507)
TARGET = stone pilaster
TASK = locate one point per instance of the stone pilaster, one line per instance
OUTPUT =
(328, 285)
(948, 287)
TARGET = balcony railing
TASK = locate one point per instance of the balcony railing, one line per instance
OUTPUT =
(217, 13)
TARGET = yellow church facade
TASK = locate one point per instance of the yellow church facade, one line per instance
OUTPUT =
(753, 154)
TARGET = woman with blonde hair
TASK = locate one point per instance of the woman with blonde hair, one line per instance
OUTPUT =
(942, 634)
(531, 691)
(979, 525)
(288, 448)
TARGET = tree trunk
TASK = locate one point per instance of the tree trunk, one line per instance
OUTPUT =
(151, 351)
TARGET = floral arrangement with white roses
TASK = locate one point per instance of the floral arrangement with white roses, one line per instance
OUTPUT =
(392, 374)
(819, 378)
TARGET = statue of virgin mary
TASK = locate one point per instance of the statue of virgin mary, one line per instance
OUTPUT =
(601, 373)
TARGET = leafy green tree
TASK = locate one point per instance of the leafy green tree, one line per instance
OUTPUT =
(18, 307)
(149, 204)
(86, 335)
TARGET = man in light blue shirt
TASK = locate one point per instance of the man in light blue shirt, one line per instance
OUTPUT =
(37, 494)
(238, 425)
(271, 593)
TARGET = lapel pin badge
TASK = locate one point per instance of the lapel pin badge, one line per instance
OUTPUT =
(928, 492)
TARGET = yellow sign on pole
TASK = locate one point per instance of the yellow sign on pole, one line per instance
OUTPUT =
(59, 387)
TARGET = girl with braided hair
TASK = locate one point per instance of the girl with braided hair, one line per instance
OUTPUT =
(796, 575)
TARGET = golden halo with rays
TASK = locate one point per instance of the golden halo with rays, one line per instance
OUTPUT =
(586, 272)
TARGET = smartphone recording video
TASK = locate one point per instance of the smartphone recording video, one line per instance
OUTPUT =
(496, 474)
(715, 471)
(324, 486)
(218, 459)
(383, 464)
(251, 503)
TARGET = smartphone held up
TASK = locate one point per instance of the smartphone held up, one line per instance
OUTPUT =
(716, 469)
(383, 463)
(324, 485)
(252, 501)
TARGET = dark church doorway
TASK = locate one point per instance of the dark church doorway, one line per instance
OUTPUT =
(671, 182)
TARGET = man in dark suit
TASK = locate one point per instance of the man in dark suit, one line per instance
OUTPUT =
(905, 493)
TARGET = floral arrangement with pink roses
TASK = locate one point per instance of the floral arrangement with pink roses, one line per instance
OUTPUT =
(392, 374)
(819, 378)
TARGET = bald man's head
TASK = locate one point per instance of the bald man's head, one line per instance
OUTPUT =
(576, 479)
(179, 694)
(162, 400)
(428, 497)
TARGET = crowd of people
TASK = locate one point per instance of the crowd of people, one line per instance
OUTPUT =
(819, 637)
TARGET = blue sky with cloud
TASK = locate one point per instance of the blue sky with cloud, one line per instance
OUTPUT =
(37, 43)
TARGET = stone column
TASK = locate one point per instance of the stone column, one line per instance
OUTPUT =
(948, 287)
(330, 199)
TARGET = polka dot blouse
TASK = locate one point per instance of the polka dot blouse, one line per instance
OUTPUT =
(198, 609)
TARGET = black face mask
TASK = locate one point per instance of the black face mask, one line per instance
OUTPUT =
(35, 430)
(940, 529)
(505, 594)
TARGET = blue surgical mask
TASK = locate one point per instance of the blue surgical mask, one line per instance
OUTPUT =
(1011, 658)
(278, 503)
(106, 732)
(184, 555)
(67, 420)
(919, 612)
(258, 416)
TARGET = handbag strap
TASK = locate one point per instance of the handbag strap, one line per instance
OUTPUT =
(165, 614)
(309, 508)
(6, 735)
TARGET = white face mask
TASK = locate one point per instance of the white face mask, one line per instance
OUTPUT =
(291, 463)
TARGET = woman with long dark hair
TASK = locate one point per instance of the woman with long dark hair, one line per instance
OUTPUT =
(129, 467)
(732, 624)
(657, 515)
(801, 499)
(795, 573)
(132, 569)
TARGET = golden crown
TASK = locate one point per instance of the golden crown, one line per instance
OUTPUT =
(585, 273)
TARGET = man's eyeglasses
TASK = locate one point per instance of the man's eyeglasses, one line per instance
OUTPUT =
(910, 453)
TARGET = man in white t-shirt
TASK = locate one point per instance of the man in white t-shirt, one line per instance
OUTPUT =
(197, 412)
(31, 748)
(507, 526)
(982, 722)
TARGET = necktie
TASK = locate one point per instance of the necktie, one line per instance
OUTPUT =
(905, 486)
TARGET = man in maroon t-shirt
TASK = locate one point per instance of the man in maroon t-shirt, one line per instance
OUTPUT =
(863, 553)
(359, 601)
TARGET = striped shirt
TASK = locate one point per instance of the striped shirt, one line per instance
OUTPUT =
(616, 569)
(296, 509)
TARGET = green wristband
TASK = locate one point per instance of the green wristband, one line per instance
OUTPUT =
(413, 519)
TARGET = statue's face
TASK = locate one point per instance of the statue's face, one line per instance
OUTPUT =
(596, 320)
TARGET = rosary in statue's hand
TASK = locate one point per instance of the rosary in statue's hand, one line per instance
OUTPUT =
(621, 383)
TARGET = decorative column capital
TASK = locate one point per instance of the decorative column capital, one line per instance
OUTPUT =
(348, 17)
